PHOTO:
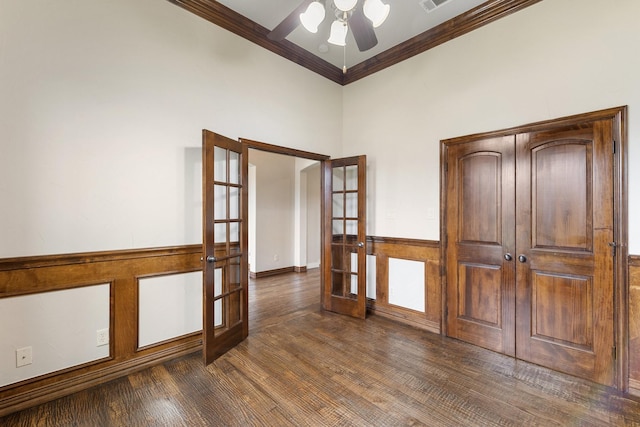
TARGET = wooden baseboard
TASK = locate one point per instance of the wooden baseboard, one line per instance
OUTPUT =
(268, 273)
(58, 389)
(301, 269)
(405, 316)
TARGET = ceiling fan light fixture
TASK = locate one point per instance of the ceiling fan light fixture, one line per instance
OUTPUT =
(313, 16)
(338, 35)
(376, 11)
(345, 5)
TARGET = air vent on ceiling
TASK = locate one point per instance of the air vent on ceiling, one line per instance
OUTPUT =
(430, 5)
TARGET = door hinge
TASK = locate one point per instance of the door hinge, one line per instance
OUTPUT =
(615, 353)
(614, 146)
(613, 248)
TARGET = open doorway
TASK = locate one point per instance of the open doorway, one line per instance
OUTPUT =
(284, 213)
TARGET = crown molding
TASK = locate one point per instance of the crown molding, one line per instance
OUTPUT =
(477, 17)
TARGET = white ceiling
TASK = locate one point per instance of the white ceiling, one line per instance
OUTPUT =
(407, 19)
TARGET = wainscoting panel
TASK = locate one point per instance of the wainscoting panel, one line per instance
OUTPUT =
(121, 270)
(634, 325)
(169, 306)
(58, 338)
(423, 252)
(407, 282)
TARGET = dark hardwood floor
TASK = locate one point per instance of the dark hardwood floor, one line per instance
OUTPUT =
(304, 367)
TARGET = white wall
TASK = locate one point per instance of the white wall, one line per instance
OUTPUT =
(274, 210)
(102, 103)
(101, 110)
(307, 213)
(553, 59)
(177, 313)
(313, 230)
(57, 336)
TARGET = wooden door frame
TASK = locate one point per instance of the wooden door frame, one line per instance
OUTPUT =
(618, 115)
(277, 149)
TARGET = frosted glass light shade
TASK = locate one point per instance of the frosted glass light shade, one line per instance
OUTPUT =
(312, 17)
(338, 35)
(376, 11)
(345, 5)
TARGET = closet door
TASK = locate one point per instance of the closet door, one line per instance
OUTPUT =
(480, 242)
(564, 273)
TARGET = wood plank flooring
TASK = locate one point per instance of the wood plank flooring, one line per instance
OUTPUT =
(304, 367)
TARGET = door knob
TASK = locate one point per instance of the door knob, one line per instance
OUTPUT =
(508, 257)
(211, 259)
(522, 258)
(360, 245)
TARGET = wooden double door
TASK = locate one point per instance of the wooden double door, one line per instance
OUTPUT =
(529, 245)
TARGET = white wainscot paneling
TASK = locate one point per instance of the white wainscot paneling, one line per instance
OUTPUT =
(406, 283)
(60, 327)
(169, 307)
(371, 276)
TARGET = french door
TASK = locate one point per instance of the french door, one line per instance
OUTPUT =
(528, 246)
(225, 244)
(225, 237)
(344, 250)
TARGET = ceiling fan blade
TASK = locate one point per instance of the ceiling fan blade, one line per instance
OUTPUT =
(362, 29)
(290, 23)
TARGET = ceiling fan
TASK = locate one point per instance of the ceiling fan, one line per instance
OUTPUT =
(359, 16)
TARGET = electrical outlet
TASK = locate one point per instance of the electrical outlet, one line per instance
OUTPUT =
(275, 257)
(24, 356)
(102, 337)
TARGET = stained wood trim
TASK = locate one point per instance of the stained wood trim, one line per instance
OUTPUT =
(404, 242)
(32, 275)
(121, 270)
(228, 19)
(473, 19)
(268, 273)
(621, 234)
(64, 387)
(426, 251)
(574, 120)
(634, 324)
(405, 316)
(276, 149)
(30, 262)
